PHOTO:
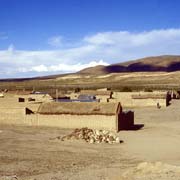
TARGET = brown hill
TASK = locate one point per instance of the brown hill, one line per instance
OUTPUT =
(149, 64)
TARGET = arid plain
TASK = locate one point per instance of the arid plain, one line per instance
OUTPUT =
(149, 152)
(29, 153)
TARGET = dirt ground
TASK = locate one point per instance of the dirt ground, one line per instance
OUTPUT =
(31, 153)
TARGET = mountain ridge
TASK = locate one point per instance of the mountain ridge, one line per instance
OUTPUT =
(165, 63)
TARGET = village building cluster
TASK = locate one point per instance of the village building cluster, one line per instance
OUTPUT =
(95, 109)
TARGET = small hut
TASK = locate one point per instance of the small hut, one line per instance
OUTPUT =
(77, 115)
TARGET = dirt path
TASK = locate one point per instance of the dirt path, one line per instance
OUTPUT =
(159, 139)
(29, 152)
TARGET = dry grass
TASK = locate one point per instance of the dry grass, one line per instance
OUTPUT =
(115, 81)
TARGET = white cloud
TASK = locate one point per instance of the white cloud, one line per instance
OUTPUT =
(55, 41)
(111, 47)
(129, 39)
(40, 68)
(63, 67)
(124, 45)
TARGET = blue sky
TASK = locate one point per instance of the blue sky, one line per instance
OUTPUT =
(40, 37)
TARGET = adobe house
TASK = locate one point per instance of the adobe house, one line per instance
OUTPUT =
(103, 96)
(141, 99)
(77, 115)
(160, 100)
(36, 97)
(72, 115)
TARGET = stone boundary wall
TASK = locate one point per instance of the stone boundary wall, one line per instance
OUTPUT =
(127, 101)
(73, 121)
(12, 116)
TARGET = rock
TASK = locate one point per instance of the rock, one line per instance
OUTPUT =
(91, 141)
(97, 132)
(111, 138)
(117, 140)
(93, 136)
(105, 132)
(107, 140)
(13, 177)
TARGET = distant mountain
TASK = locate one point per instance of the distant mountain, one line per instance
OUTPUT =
(165, 63)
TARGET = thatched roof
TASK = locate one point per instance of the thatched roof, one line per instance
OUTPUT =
(94, 92)
(79, 108)
(149, 96)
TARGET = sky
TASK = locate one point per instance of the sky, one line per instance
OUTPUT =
(43, 37)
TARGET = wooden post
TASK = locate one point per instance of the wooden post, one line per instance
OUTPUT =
(56, 94)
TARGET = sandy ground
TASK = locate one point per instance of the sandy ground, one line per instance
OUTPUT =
(29, 153)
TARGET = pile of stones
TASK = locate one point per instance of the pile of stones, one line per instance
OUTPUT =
(93, 136)
(13, 177)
